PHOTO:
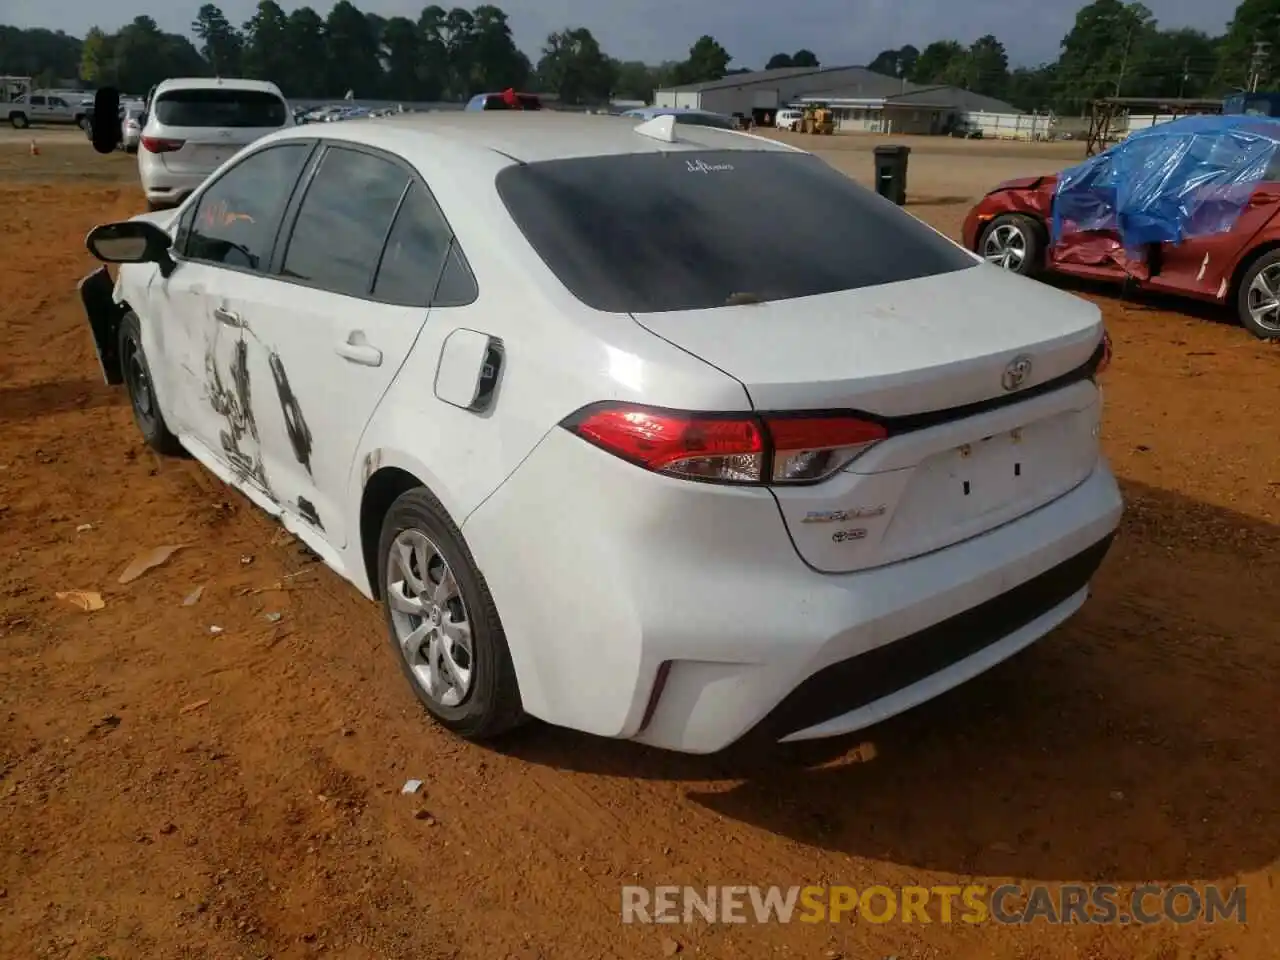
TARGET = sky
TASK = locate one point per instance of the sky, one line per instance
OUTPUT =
(840, 32)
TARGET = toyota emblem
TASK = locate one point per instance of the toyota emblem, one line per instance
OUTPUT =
(1017, 373)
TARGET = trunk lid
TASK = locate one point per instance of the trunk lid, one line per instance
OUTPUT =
(909, 350)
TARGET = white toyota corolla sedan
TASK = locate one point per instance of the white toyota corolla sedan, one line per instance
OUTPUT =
(659, 432)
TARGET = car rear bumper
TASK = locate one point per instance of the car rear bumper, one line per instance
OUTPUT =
(678, 614)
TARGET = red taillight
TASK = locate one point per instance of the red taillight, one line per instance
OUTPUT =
(160, 145)
(811, 448)
(727, 448)
(1105, 361)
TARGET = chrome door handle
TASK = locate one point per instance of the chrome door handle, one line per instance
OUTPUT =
(230, 318)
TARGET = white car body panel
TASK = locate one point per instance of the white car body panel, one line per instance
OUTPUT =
(635, 604)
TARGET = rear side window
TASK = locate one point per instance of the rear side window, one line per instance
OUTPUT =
(220, 108)
(656, 232)
(342, 225)
(415, 252)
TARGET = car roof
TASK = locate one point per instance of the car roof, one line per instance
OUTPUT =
(216, 83)
(527, 137)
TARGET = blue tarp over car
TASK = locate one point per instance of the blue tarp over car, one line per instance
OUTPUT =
(1190, 177)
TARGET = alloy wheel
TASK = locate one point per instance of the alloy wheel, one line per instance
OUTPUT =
(1264, 298)
(430, 618)
(1005, 246)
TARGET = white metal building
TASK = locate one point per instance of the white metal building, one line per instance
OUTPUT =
(885, 107)
(861, 99)
(764, 91)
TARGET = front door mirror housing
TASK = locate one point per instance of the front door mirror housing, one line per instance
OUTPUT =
(131, 241)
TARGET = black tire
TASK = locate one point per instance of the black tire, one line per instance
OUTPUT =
(1270, 328)
(1030, 239)
(138, 382)
(85, 124)
(491, 705)
(19, 121)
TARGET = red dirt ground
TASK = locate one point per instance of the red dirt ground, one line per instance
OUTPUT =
(168, 792)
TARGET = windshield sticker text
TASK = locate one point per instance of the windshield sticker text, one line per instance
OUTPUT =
(701, 166)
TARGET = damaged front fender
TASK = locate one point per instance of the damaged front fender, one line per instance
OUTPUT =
(97, 294)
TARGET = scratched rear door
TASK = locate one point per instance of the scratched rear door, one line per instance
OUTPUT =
(328, 332)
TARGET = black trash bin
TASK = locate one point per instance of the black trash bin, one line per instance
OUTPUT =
(891, 172)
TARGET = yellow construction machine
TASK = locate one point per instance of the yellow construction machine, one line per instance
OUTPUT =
(818, 118)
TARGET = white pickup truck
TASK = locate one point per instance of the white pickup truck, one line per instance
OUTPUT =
(50, 106)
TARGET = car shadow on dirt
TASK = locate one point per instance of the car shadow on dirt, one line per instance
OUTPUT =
(41, 399)
(1134, 300)
(1128, 746)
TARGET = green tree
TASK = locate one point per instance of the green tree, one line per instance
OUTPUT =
(635, 80)
(895, 63)
(401, 48)
(433, 54)
(266, 52)
(97, 65)
(779, 61)
(1176, 63)
(221, 43)
(39, 53)
(1032, 88)
(1255, 21)
(707, 61)
(1102, 51)
(804, 58)
(938, 62)
(496, 62)
(574, 68)
(987, 67)
(306, 64)
(353, 52)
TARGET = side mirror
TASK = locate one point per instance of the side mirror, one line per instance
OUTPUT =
(107, 134)
(131, 241)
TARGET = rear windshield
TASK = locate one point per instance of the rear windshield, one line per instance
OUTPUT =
(495, 102)
(653, 232)
(220, 108)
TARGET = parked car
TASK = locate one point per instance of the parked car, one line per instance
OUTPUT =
(1222, 236)
(788, 118)
(131, 126)
(820, 473)
(505, 100)
(193, 125)
(50, 106)
(684, 115)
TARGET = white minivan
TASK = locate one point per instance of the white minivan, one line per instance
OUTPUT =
(192, 125)
(789, 118)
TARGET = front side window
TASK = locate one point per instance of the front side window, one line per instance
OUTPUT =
(343, 222)
(236, 218)
(220, 107)
(692, 230)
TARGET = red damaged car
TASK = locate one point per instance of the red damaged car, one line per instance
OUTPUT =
(1240, 268)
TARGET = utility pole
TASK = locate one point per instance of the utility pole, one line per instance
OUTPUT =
(1256, 64)
(1186, 72)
